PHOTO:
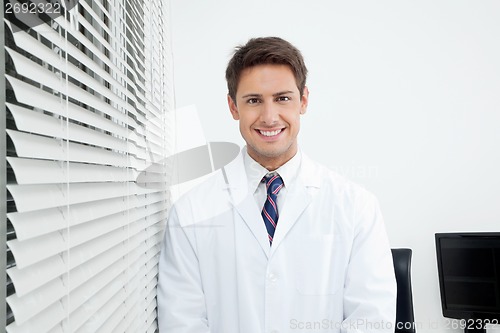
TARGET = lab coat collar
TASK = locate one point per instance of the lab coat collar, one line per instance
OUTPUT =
(297, 199)
(256, 172)
(299, 196)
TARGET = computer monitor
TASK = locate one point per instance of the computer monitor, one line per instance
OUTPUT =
(469, 278)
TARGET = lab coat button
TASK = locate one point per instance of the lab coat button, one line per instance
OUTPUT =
(272, 278)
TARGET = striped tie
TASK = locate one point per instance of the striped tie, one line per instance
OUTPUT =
(274, 183)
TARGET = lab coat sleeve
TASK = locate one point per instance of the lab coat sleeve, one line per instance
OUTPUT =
(370, 286)
(181, 302)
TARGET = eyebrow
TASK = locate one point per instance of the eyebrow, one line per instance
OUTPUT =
(281, 93)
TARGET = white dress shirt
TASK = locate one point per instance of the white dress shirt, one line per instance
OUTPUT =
(255, 172)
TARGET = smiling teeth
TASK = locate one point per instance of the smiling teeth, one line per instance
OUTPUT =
(270, 133)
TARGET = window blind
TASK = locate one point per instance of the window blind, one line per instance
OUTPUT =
(89, 95)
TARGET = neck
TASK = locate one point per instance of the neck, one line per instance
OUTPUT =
(272, 163)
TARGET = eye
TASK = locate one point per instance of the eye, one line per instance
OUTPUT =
(253, 101)
(283, 99)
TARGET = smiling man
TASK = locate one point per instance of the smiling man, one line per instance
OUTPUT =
(274, 242)
(268, 105)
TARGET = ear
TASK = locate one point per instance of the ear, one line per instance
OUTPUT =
(233, 108)
(304, 101)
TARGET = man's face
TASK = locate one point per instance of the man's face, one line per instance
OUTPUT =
(268, 106)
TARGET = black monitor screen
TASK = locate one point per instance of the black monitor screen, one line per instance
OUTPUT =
(469, 274)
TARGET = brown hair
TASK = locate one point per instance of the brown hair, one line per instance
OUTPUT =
(265, 50)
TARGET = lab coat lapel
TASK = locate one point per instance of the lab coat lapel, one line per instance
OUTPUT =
(244, 202)
(299, 196)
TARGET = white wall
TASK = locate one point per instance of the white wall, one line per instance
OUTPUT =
(405, 99)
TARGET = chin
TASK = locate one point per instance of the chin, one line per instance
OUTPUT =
(271, 151)
(274, 155)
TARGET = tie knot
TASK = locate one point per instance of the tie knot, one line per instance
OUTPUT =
(274, 183)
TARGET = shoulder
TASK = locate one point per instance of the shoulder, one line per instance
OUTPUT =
(210, 198)
(353, 206)
(200, 196)
(206, 187)
(332, 183)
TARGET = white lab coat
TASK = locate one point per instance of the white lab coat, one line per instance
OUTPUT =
(329, 268)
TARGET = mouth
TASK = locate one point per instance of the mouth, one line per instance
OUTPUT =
(270, 134)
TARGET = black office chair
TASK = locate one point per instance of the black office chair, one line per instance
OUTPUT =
(405, 320)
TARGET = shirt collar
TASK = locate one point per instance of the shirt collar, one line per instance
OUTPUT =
(255, 172)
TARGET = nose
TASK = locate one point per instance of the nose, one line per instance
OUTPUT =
(269, 113)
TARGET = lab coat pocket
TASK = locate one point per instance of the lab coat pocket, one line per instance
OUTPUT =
(318, 267)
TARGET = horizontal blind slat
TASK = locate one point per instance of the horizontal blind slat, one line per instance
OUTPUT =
(83, 58)
(41, 196)
(36, 275)
(115, 304)
(33, 171)
(37, 98)
(36, 146)
(88, 318)
(57, 242)
(40, 323)
(41, 222)
(96, 52)
(36, 197)
(95, 247)
(49, 79)
(56, 288)
(26, 307)
(34, 122)
(50, 57)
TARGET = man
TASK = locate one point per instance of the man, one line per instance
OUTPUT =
(274, 242)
